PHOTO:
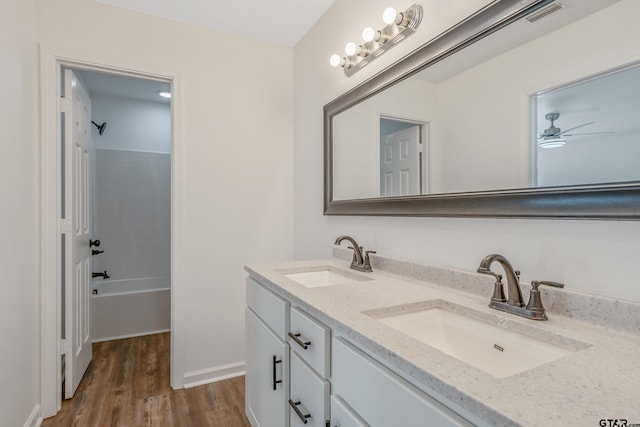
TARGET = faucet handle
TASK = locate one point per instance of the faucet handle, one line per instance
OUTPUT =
(498, 290)
(536, 283)
(534, 305)
(367, 260)
(353, 257)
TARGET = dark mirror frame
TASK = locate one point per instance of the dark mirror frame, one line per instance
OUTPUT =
(613, 202)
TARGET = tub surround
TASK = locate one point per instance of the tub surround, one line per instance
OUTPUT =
(600, 380)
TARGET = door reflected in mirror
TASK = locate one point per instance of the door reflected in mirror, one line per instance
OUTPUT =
(403, 157)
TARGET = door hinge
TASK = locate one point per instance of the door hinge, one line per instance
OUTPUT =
(65, 226)
(65, 346)
(65, 105)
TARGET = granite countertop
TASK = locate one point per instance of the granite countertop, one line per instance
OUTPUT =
(601, 380)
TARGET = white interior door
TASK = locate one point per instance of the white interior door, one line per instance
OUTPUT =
(77, 281)
(400, 173)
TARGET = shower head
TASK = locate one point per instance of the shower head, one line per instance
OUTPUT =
(100, 127)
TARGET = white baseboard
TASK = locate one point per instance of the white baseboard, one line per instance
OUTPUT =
(211, 375)
(34, 419)
(121, 337)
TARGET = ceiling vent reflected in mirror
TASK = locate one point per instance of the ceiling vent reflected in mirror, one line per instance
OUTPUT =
(553, 7)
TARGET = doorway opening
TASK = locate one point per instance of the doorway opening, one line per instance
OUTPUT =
(126, 218)
(110, 225)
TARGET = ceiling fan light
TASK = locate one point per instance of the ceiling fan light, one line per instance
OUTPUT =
(552, 142)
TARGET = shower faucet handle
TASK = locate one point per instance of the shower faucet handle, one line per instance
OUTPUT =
(95, 243)
(96, 252)
(104, 275)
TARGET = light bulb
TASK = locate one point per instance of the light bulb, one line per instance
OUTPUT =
(368, 34)
(335, 60)
(389, 15)
(351, 48)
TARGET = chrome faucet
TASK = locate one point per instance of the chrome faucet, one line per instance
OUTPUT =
(358, 262)
(514, 303)
(513, 280)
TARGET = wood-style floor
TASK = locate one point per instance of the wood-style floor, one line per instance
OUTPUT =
(127, 384)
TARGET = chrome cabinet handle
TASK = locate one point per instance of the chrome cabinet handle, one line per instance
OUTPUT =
(303, 417)
(275, 382)
(296, 338)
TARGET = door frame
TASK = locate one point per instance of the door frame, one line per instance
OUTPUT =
(52, 60)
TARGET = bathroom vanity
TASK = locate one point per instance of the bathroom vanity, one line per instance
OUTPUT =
(410, 344)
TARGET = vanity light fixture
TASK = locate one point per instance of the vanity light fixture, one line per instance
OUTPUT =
(164, 94)
(399, 26)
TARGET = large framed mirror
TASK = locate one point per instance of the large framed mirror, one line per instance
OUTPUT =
(526, 109)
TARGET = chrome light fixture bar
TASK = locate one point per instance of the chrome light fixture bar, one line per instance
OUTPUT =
(400, 25)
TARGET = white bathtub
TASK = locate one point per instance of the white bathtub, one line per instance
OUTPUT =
(129, 308)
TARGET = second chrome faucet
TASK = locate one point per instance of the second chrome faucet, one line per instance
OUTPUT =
(358, 262)
(514, 303)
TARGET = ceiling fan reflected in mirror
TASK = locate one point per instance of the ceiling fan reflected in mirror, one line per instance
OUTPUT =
(554, 137)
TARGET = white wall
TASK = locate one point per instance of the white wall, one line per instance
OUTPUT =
(131, 124)
(491, 100)
(591, 256)
(19, 250)
(237, 200)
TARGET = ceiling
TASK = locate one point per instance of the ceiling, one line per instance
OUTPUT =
(511, 37)
(282, 22)
(123, 86)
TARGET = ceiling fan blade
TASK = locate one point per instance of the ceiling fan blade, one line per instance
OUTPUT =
(548, 134)
(589, 133)
(575, 127)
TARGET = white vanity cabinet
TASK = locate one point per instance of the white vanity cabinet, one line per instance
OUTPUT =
(379, 396)
(267, 358)
(297, 375)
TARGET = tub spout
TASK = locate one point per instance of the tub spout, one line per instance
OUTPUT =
(104, 275)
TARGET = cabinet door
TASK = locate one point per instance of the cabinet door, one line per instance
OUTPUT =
(343, 416)
(309, 403)
(380, 396)
(267, 382)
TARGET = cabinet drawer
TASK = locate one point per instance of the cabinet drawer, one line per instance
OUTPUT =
(343, 416)
(309, 396)
(379, 396)
(273, 310)
(311, 340)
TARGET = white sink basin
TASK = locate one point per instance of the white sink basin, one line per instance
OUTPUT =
(323, 276)
(494, 349)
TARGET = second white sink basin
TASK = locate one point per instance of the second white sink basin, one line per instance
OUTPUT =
(324, 276)
(492, 348)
